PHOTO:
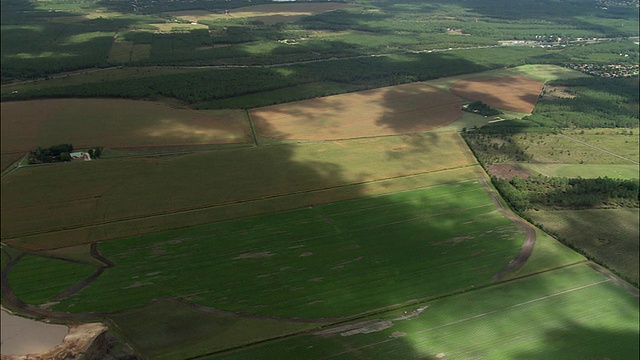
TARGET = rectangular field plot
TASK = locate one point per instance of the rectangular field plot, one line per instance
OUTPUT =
(114, 123)
(63, 204)
(569, 313)
(326, 261)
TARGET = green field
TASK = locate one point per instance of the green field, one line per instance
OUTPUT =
(572, 312)
(324, 262)
(105, 200)
(609, 235)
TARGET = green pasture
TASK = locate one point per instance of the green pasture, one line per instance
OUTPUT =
(58, 275)
(608, 235)
(585, 170)
(573, 312)
(330, 260)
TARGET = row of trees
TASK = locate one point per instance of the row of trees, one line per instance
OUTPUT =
(58, 153)
(567, 193)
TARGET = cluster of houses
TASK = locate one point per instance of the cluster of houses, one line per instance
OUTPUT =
(613, 70)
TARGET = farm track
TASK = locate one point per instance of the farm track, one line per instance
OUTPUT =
(529, 237)
(218, 205)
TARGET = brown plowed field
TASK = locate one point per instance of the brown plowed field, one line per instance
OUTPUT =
(514, 93)
(402, 109)
(114, 123)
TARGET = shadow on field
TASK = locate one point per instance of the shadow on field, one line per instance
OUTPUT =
(561, 341)
(37, 43)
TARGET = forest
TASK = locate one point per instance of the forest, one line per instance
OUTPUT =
(44, 38)
(541, 192)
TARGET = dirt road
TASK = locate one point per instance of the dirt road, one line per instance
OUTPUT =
(529, 235)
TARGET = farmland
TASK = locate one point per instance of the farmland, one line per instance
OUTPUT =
(104, 200)
(298, 180)
(517, 94)
(393, 110)
(26, 125)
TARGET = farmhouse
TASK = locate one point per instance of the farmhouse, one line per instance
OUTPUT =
(80, 155)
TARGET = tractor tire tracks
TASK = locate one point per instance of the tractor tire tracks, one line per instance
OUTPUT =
(529, 235)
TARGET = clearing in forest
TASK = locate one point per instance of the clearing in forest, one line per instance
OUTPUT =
(267, 13)
(402, 109)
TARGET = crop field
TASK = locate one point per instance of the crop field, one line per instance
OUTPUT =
(114, 124)
(311, 266)
(102, 199)
(324, 262)
(573, 312)
(514, 93)
(401, 109)
(591, 230)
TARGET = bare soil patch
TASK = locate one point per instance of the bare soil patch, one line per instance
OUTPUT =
(558, 92)
(402, 109)
(514, 93)
(508, 171)
(267, 13)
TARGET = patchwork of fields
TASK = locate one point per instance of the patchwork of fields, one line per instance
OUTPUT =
(339, 227)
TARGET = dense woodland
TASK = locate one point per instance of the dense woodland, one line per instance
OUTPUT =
(567, 193)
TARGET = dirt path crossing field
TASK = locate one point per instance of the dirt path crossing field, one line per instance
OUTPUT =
(529, 236)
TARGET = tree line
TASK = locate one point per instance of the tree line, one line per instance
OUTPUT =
(58, 153)
(540, 191)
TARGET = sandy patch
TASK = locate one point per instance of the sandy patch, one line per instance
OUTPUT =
(508, 171)
(305, 254)
(22, 336)
(514, 93)
(558, 92)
